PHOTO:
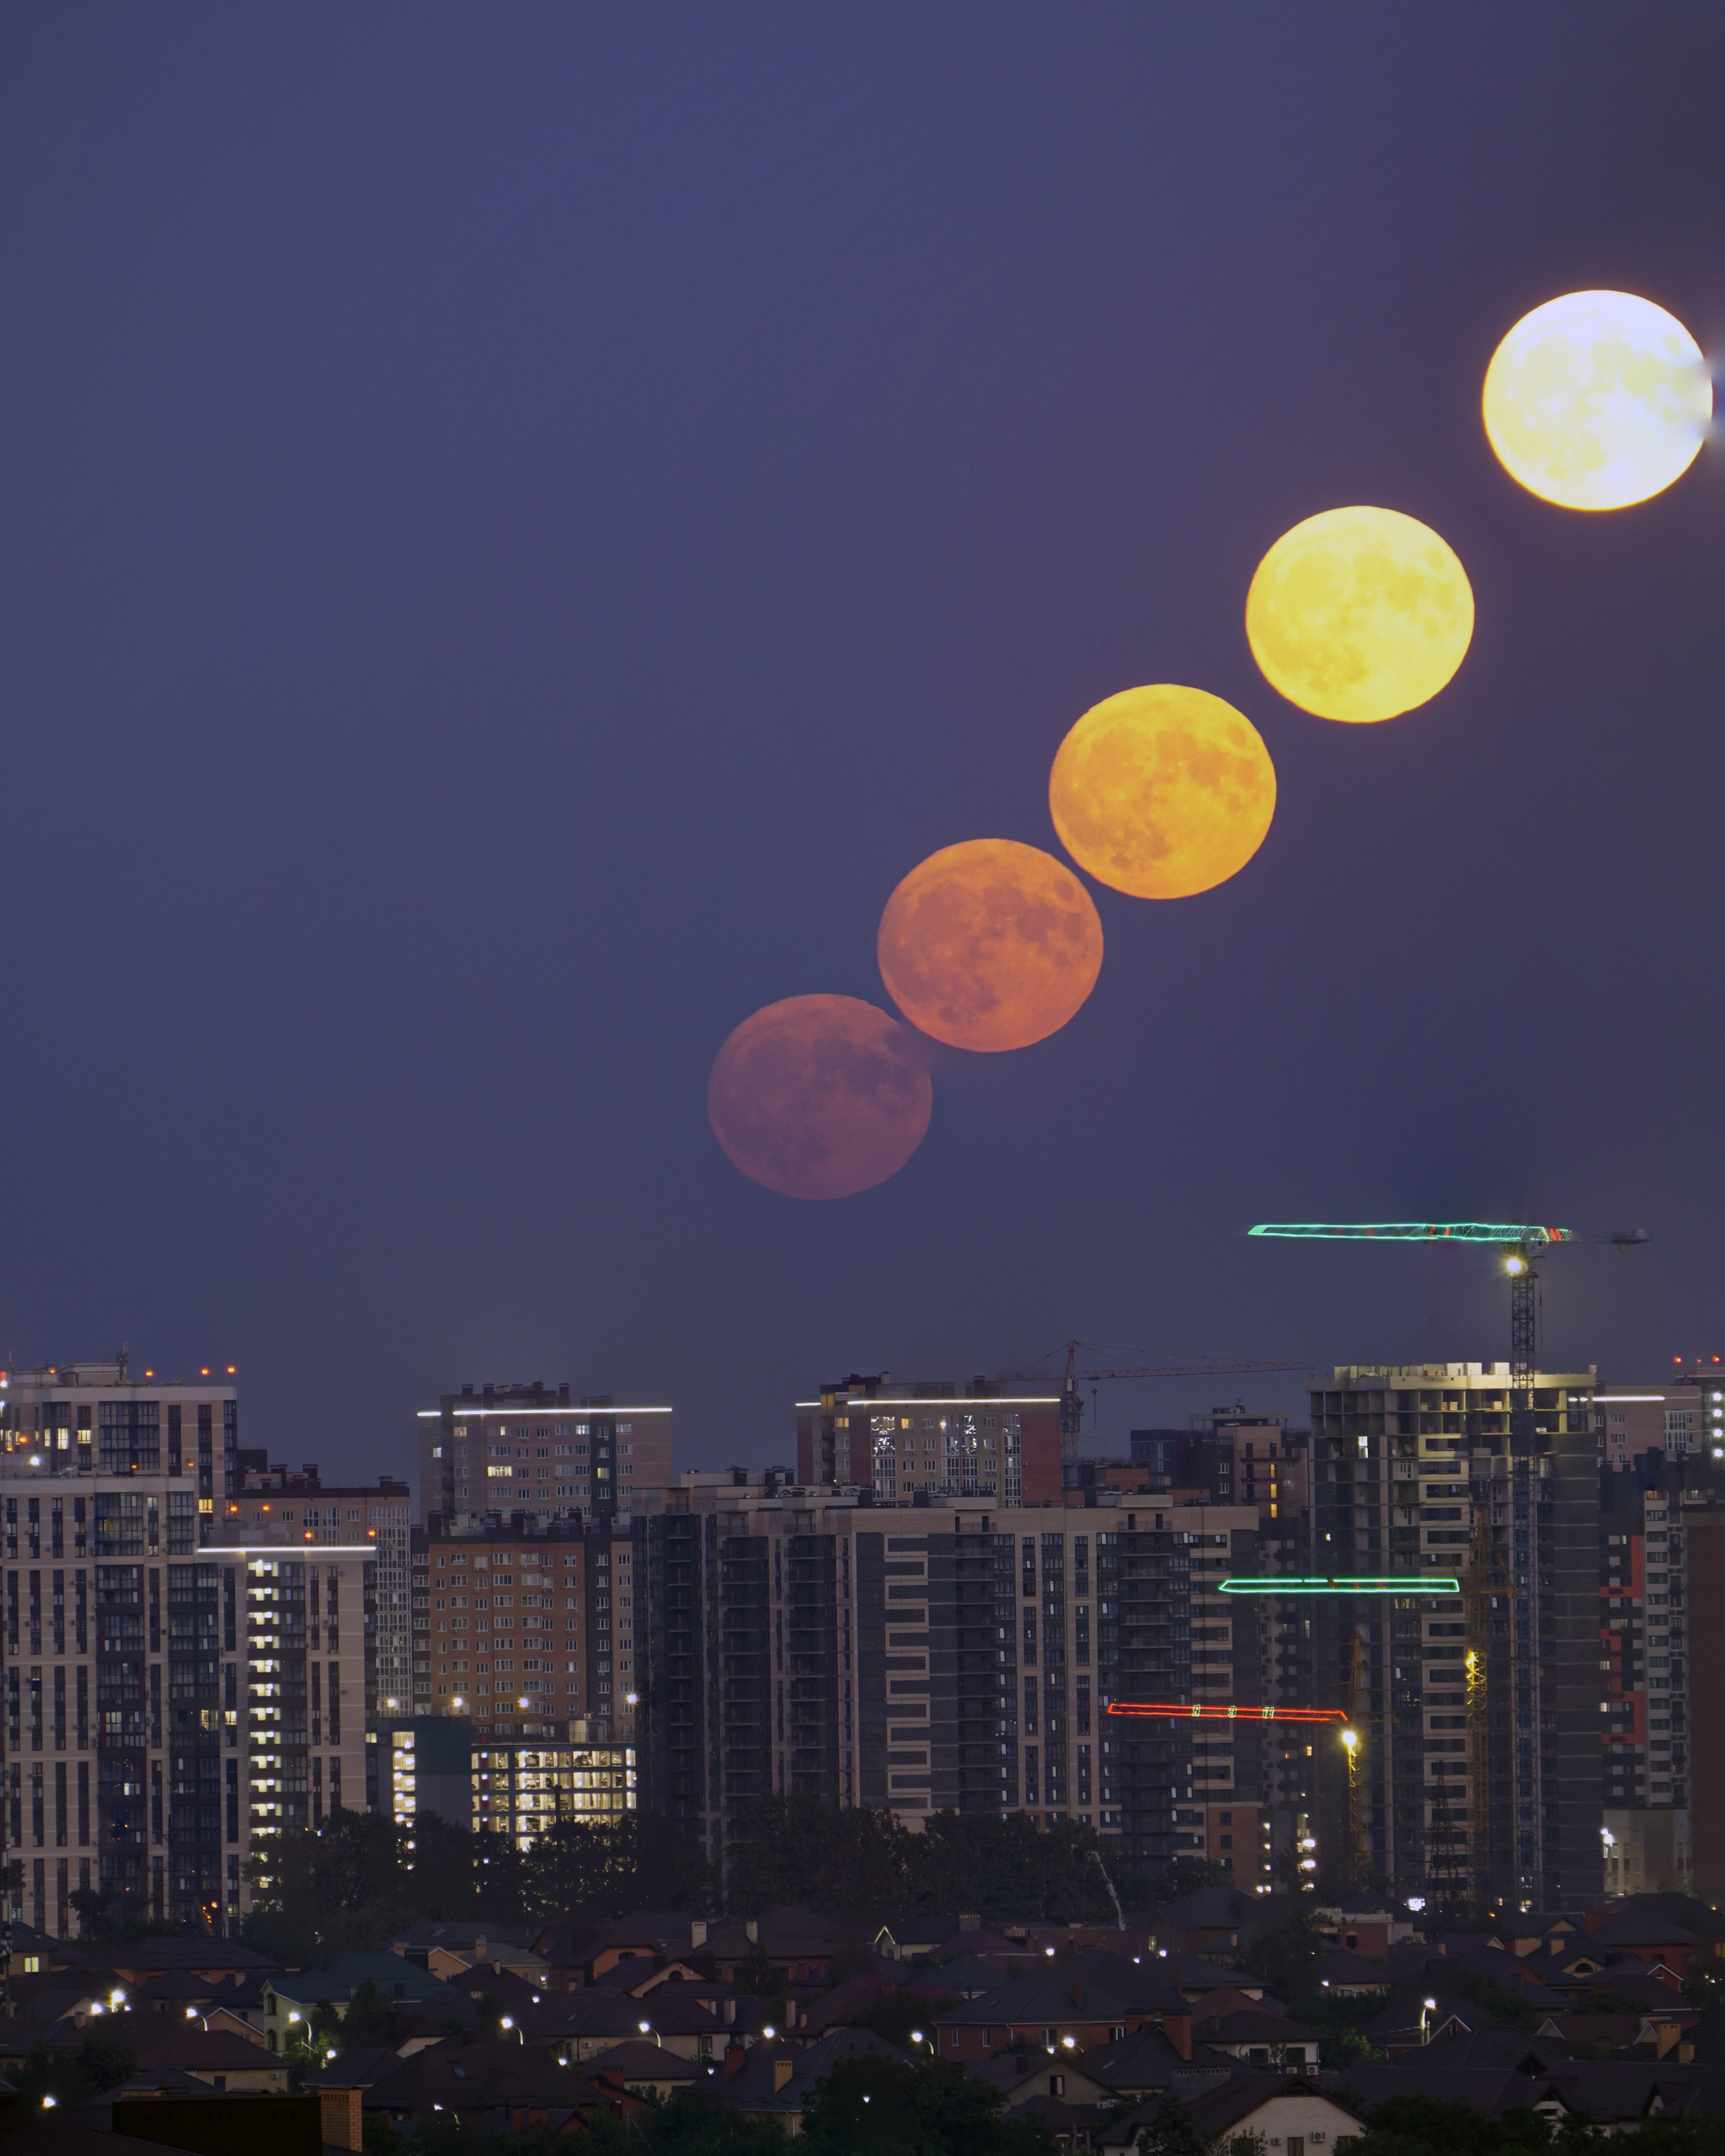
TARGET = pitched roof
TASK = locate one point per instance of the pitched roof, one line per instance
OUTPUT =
(1211, 1908)
(1197, 1972)
(965, 1977)
(1147, 2059)
(636, 2059)
(1094, 1986)
(466, 2077)
(1252, 2025)
(143, 1954)
(751, 2088)
(1215, 2111)
(395, 1977)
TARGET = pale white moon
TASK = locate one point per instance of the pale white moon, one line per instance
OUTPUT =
(1597, 400)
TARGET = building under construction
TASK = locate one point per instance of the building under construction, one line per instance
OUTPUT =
(1474, 1769)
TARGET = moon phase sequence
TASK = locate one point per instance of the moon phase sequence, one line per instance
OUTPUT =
(1162, 791)
(1597, 400)
(1359, 614)
(990, 945)
(819, 1096)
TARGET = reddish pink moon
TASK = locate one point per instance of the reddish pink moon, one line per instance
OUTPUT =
(819, 1096)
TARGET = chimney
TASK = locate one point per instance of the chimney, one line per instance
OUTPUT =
(734, 2055)
(781, 2073)
(752, 1931)
(1178, 2028)
(697, 1931)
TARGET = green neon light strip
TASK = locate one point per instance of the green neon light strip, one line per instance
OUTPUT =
(1412, 1231)
(1366, 1583)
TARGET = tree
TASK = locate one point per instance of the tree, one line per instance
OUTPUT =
(877, 2107)
(893, 2015)
(1285, 1954)
(1191, 1874)
(1430, 2126)
(1171, 2130)
(98, 2064)
(795, 1849)
(755, 1977)
(336, 1889)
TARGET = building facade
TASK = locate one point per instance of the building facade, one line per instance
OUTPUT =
(942, 1654)
(1475, 1713)
(532, 1626)
(899, 1442)
(295, 1504)
(525, 1790)
(502, 1448)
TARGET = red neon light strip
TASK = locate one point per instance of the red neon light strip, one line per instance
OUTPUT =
(1172, 1710)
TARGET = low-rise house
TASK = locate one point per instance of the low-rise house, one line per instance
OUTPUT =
(1022, 2077)
(1350, 1975)
(469, 2083)
(645, 2069)
(291, 2000)
(579, 2025)
(1286, 2112)
(1146, 2063)
(1258, 2038)
(1097, 1998)
(773, 2080)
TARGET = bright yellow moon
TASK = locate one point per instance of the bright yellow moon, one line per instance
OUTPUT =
(990, 945)
(1597, 400)
(1162, 791)
(1358, 614)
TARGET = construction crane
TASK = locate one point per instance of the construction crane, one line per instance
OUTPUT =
(1072, 1401)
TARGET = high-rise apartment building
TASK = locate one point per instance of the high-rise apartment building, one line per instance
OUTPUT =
(98, 1419)
(944, 1653)
(895, 1441)
(167, 1712)
(297, 1504)
(512, 1447)
(1682, 1420)
(178, 1687)
(1476, 1712)
(1253, 1460)
(308, 1679)
(532, 1626)
(1643, 1641)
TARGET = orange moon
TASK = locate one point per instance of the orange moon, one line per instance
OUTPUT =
(819, 1096)
(1162, 791)
(990, 945)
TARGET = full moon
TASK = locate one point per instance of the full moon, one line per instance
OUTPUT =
(819, 1096)
(1358, 614)
(990, 945)
(1597, 400)
(1162, 791)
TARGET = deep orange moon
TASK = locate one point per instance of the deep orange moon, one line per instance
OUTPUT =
(990, 945)
(819, 1096)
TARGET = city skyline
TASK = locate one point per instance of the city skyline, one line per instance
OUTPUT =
(487, 609)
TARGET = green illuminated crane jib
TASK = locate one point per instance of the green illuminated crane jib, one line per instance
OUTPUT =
(1413, 1231)
(1362, 1584)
